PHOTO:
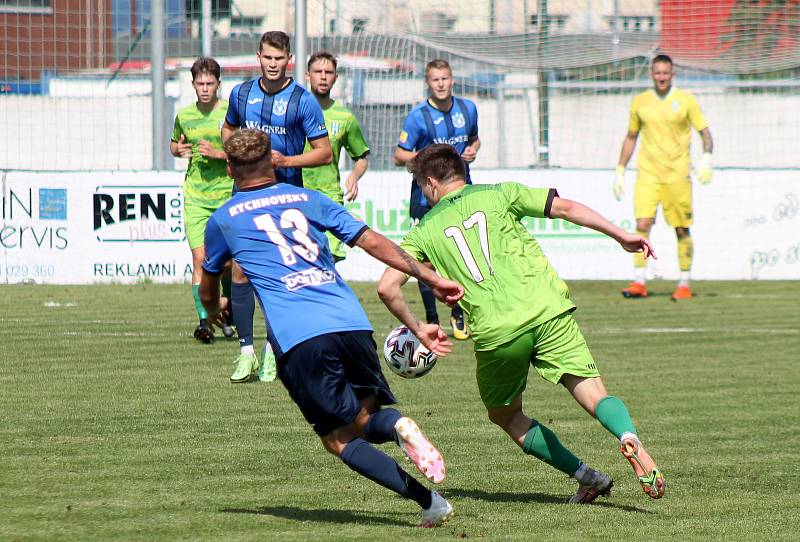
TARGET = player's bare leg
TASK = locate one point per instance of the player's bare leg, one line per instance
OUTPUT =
(539, 441)
(638, 288)
(204, 332)
(685, 255)
(243, 305)
(612, 413)
(350, 444)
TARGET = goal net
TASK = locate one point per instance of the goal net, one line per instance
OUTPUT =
(552, 79)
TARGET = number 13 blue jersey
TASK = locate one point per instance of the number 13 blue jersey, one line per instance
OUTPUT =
(277, 235)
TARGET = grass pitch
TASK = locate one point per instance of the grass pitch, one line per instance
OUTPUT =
(117, 425)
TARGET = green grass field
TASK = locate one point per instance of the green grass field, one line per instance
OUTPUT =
(117, 425)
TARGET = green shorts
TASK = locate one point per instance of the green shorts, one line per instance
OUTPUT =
(336, 246)
(195, 218)
(555, 348)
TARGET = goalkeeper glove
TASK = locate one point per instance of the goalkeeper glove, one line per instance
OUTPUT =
(619, 183)
(704, 172)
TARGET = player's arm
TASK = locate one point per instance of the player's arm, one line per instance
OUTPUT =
(582, 215)
(708, 141)
(628, 145)
(319, 155)
(390, 290)
(407, 142)
(388, 252)
(471, 151)
(178, 146)
(227, 130)
(360, 166)
(704, 173)
(402, 156)
(358, 149)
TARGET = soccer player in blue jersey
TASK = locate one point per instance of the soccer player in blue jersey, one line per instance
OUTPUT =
(275, 104)
(442, 118)
(326, 356)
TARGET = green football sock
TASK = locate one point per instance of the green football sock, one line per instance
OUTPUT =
(198, 305)
(612, 413)
(543, 444)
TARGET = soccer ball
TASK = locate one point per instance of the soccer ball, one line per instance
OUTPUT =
(405, 355)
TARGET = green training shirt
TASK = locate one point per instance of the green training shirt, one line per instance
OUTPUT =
(206, 183)
(474, 236)
(343, 132)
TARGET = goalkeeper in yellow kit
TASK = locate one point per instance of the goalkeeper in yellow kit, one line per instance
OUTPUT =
(664, 115)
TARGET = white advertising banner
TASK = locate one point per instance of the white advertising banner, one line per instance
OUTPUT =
(83, 228)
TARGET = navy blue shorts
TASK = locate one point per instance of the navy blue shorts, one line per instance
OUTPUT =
(327, 376)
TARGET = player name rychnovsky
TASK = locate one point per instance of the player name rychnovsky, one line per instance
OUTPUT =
(258, 203)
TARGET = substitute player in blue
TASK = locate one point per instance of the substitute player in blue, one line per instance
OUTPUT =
(442, 118)
(320, 333)
(278, 106)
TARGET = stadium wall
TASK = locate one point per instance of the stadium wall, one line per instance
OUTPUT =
(101, 227)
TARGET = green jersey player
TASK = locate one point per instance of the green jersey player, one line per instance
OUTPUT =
(517, 307)
(206, 187)
(343, 132)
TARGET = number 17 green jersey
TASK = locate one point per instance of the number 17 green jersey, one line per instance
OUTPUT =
(474, 236)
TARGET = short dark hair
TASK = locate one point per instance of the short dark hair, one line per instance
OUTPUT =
(440, 161)
(249, 153)
(320, 55)
(206, 64)
(275, 38)
(437, 64)
(661, 58)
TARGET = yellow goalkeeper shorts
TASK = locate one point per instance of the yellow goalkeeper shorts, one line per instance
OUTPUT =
(675, 199)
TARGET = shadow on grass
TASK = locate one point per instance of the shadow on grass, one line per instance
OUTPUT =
(541, 498)
(321, 516)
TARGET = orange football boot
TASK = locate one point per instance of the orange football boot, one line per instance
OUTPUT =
(682, 292)
(635, 289)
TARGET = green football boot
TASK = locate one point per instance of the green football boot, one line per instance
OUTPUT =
(244, 366)
(268, 370)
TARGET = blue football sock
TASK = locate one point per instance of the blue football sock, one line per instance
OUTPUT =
(244, 305)
(371, 463)
(380, 427)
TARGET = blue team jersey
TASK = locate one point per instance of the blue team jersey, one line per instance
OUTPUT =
(426, 125)
(290, 117)
(277, 235)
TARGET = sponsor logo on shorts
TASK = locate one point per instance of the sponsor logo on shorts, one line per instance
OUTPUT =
(308, 277)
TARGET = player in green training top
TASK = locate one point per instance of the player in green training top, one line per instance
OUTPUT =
(343, 132)
(206, 187)
(517, 307)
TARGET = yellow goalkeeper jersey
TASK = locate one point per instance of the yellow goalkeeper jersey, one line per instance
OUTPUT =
(664, 127)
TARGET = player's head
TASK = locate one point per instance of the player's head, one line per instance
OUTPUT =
(249, 157)
(321, 73)
(439, 79)
(436, 168)
(205, 79)
(661, 72)
(274, 54)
